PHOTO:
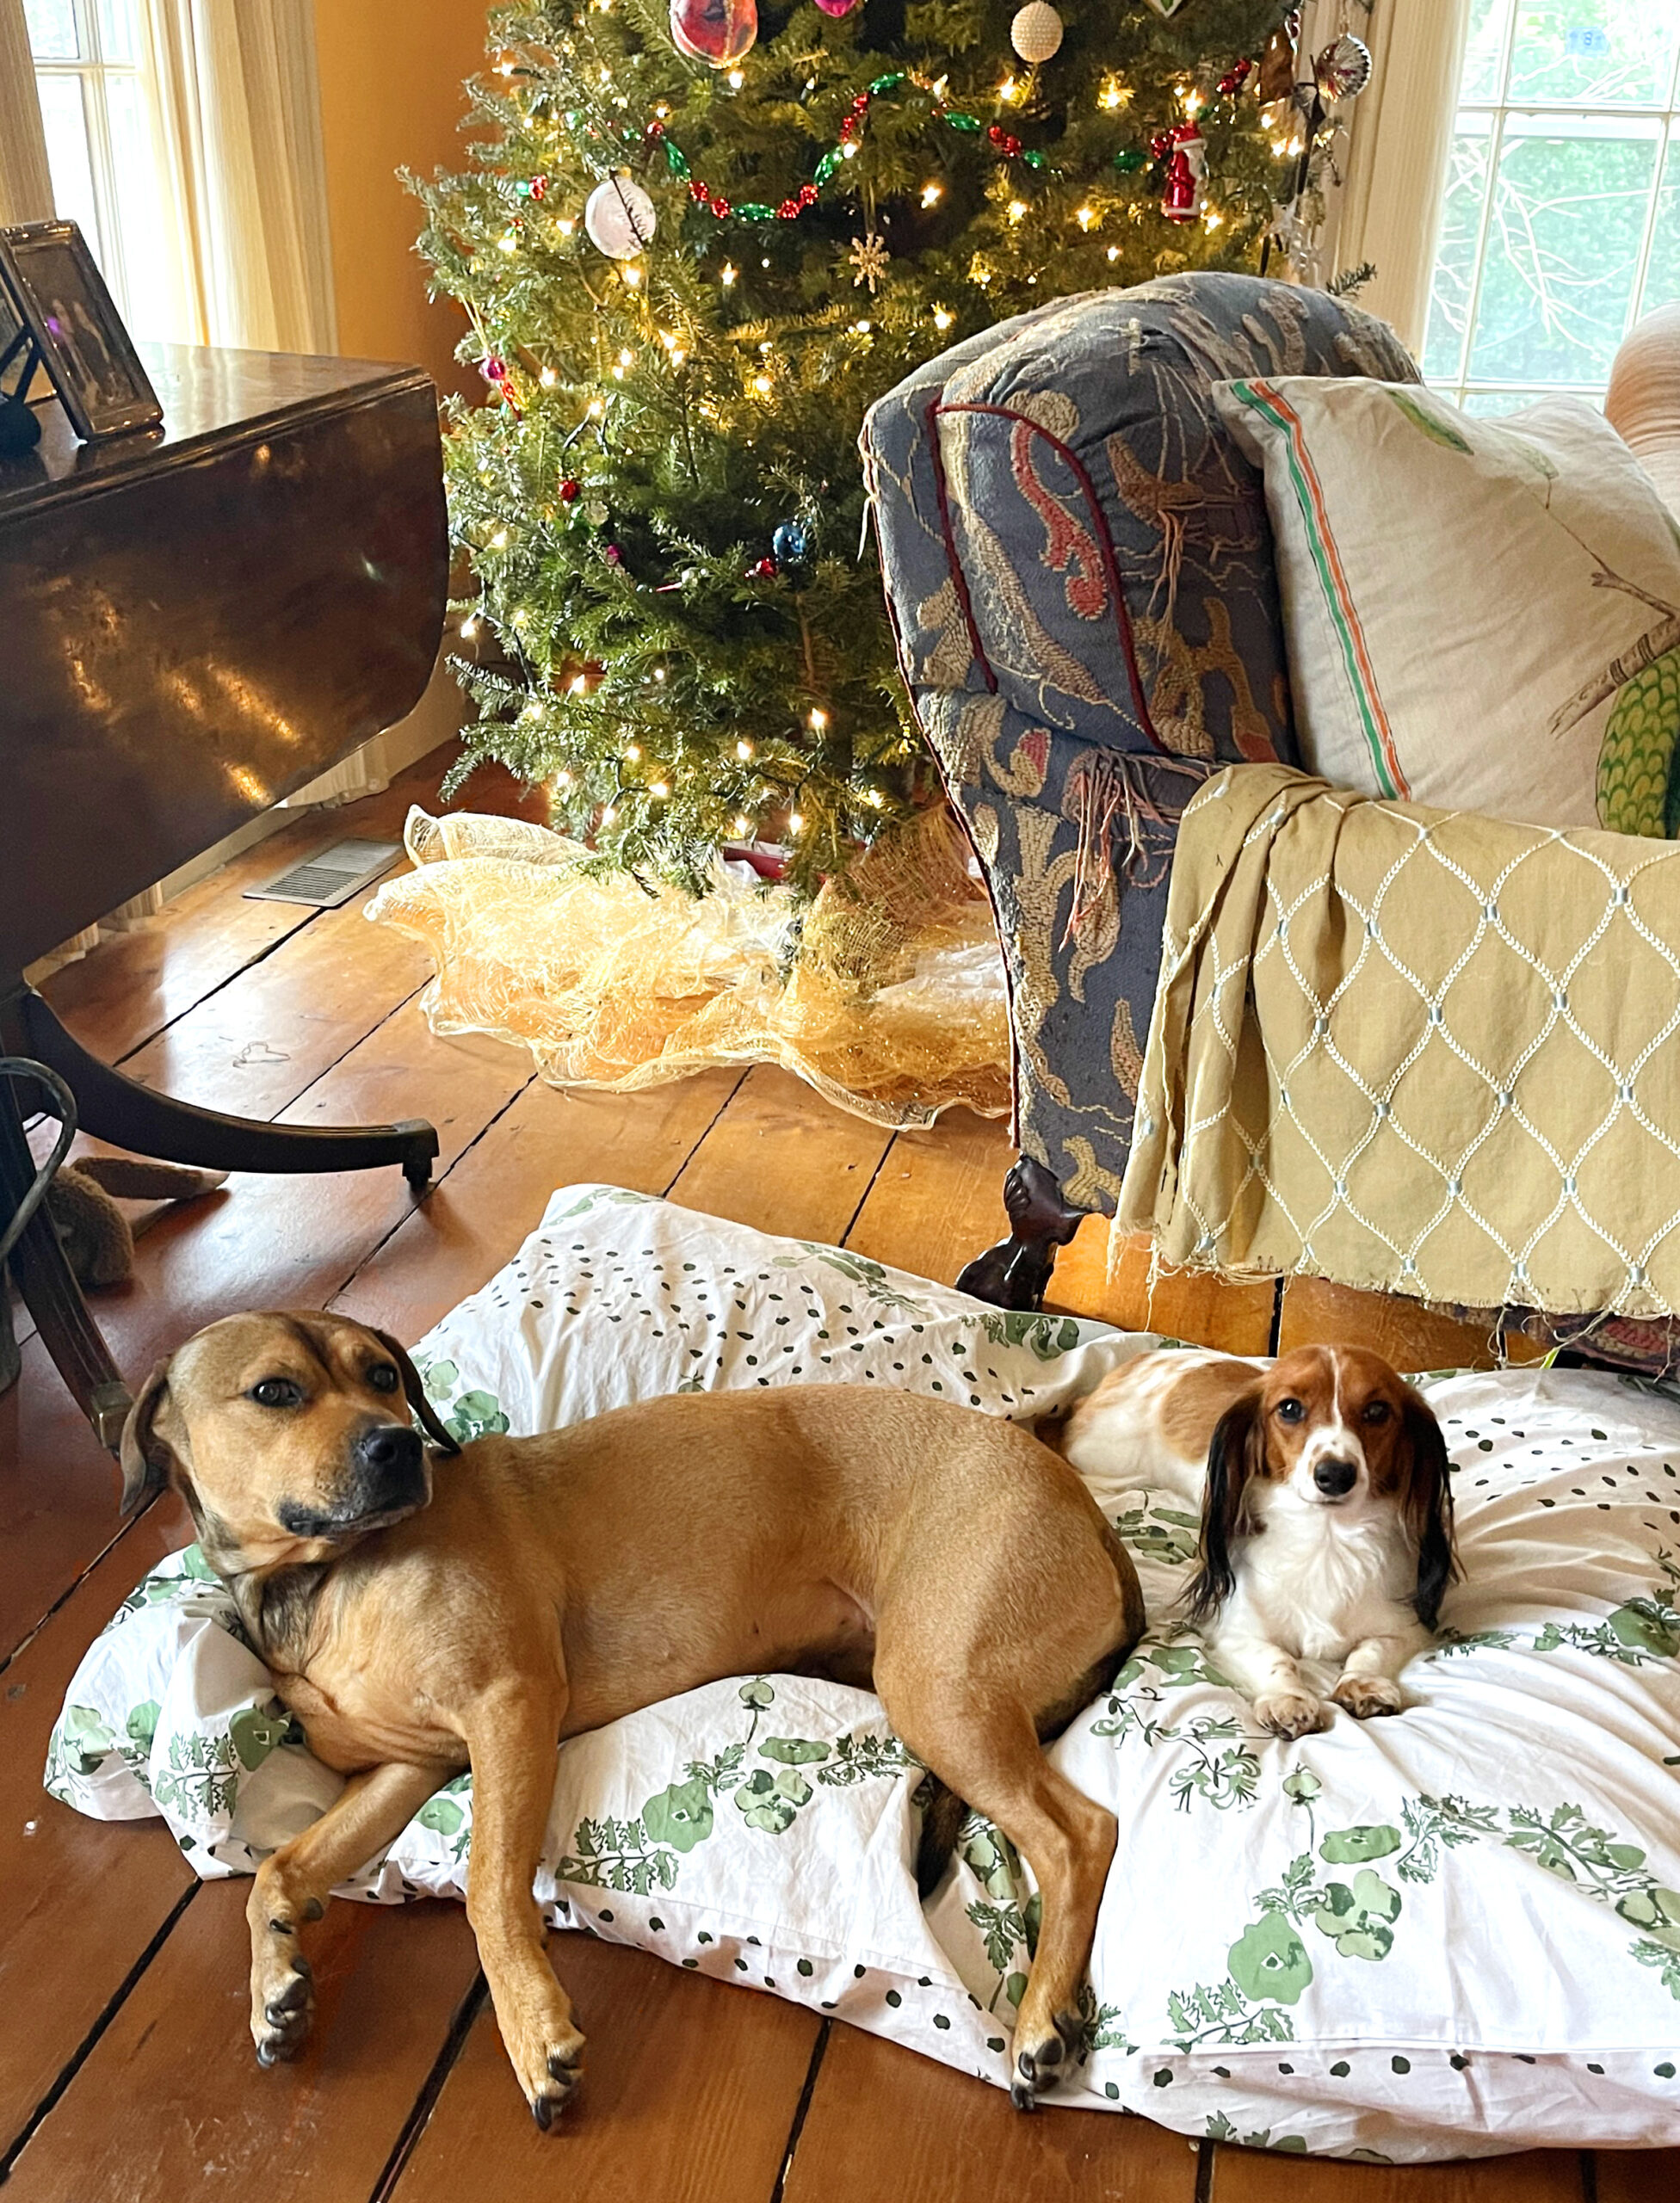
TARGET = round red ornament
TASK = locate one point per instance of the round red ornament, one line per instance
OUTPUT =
(718, 31)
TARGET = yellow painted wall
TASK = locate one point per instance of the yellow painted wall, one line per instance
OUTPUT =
(391, 75)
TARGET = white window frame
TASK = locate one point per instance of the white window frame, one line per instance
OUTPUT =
(1496, 112)
(93, 73)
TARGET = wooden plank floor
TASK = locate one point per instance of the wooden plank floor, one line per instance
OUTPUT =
(126, 2069)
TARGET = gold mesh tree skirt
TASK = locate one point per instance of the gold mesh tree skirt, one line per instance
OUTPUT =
(885, 993)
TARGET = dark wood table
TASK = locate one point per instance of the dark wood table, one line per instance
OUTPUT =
(198, 621)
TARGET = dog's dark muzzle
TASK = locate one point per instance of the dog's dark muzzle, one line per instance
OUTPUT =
(387, 1480)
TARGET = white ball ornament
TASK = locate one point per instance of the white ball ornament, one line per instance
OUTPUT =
(1036, 32)
(618, 218)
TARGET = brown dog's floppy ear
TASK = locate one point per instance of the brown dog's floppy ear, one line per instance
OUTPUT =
(416, 1394)
(144, 1475)
(1233, 1455)
(1427, 1508)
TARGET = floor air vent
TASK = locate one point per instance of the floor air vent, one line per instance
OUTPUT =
(331, 876)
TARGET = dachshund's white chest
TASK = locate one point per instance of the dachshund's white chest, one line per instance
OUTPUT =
(1316, 1584)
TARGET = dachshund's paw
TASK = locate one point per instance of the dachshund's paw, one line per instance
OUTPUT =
(550, 2071)
(1290, 1713)
(1367, 1696)
(1040, 2059)
(282, 2003)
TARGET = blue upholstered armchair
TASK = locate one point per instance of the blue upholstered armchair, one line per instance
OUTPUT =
(1080, 573)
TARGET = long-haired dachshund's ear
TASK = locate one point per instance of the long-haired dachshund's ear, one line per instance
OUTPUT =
(145, 1459)
(1233, 1455)
(1427, 1509)
(416, 1394)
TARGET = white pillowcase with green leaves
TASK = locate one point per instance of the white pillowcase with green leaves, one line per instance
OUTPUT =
(1482, 614)
(1452, 1933)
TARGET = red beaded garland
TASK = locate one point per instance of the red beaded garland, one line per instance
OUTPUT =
(851, 125)
(569, 490)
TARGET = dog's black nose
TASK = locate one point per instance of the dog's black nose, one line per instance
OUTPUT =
(1335, 1478)
(390, 1453)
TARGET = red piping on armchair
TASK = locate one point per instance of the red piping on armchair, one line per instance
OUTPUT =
(1099, 531)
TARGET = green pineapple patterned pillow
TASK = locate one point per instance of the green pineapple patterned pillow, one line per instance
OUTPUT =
(1483, 613)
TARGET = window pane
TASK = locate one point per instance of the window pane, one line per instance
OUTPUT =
(66, 129)
(53, 34)
(1456, 259)
(1485, 52)
(1512, 401)
(1662, 281)
(1563, 249)
(118, 32)
(1595, 53)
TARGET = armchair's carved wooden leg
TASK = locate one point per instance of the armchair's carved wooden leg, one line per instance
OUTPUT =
(1016, 1273)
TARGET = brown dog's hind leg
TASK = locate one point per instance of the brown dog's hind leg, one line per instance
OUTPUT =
(986, 1749)
(512, 1731)
(1008, 1652)
(292, 1886)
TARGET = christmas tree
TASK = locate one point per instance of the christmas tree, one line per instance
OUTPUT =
(692, 252)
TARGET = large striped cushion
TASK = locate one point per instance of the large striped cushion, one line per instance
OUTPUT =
(1483, 613)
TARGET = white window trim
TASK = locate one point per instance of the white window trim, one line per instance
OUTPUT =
(92, 71)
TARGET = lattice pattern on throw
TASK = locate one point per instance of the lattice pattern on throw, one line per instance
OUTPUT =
(1424, 1051)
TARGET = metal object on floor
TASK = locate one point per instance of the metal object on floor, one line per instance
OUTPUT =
(128, 1115)
(331, 876)
(24, 1239)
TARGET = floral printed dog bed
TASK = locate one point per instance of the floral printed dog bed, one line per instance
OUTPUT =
(1452, 1933)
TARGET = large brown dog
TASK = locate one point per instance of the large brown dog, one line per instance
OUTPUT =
(422, 1613)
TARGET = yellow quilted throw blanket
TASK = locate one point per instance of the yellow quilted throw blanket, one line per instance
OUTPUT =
(1419, 1051)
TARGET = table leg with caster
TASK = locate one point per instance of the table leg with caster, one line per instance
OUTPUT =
(119, 1109)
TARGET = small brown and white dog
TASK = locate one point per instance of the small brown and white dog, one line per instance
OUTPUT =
(1326, 1514)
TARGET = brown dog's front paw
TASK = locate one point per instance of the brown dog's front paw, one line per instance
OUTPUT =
(1367, 1696)
(282, 2009)
(1039, 2062)
(558, 2085)
(547, 2057)
(1290, 1713)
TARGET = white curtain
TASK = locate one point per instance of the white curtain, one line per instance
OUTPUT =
(237, 123)
(26, 185)
(1401, 140)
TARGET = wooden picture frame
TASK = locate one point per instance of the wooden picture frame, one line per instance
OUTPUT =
(59, 294)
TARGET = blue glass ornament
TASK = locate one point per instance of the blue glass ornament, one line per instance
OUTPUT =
(791, 544)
